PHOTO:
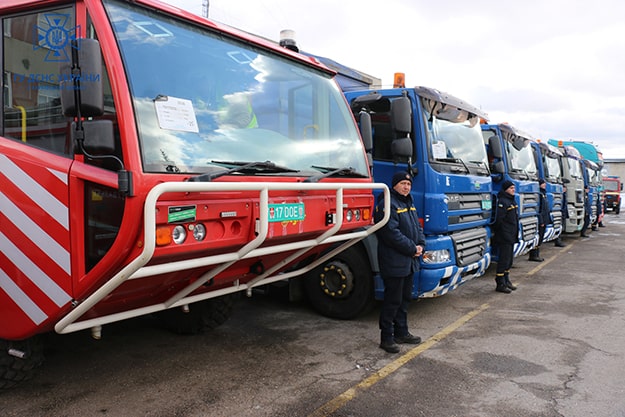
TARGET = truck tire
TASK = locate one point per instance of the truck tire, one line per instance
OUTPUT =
(19, 360)
(617, 209)
(342, 288)
(203, 315)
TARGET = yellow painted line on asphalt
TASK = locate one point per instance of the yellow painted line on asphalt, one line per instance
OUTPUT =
(338, 402)
(548, 261)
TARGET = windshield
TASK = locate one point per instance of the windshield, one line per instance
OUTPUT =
(457, 142)
(575, 168)
(552, 169)
(611, 186)
(594, 176)
(202, 100)
(521, 162)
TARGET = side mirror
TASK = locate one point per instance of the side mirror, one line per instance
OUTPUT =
(82, 80)
(366, 133)
(498, 167)
(365, 130)
(98, 136)
(401, 117)
(495, 147)
(402, 148)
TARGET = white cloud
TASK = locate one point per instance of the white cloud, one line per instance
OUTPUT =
(553, 68)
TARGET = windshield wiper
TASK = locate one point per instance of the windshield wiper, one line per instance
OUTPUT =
(478, 163)
(261, 167)
(456, 160)
(330, 171)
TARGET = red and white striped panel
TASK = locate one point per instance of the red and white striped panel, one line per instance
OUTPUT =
(35, 267)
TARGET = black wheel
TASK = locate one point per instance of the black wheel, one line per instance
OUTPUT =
(19, 360)
(201, 316)
(617, 209)
(342, 288)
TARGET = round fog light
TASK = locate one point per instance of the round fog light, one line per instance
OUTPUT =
(179, 234)
(199, 232)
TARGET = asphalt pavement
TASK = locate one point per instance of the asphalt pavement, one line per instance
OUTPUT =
(554, 347)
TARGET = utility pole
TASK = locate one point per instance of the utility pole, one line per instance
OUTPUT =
(205, 8)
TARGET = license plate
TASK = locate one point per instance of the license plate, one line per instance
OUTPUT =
(487, 205)
(287, 212)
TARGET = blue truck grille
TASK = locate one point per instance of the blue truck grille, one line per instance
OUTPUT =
(473, 202)
(557, 219)
(529, 203)
(557, 203)
(530, 228)
(470, 245)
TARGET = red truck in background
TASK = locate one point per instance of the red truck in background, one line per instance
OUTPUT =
(613, 188)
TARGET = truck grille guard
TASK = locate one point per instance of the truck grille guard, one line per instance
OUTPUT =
(136, 268)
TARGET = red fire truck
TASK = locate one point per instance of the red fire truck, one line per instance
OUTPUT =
(155, 162)
(613, 188)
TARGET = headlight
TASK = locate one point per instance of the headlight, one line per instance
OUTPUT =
(179, 234)
(199, 232)
(357, 214)
(349, 216)
(436, 256)
(572, 213)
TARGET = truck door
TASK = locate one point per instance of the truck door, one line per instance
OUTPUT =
(50, 198)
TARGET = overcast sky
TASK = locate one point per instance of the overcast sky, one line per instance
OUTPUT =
(553, 68)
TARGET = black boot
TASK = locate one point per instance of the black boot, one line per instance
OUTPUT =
(501, 285)
(535, 255)
(506, 281)
(559, 243)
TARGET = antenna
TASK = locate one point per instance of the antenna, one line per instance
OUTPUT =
(205, 8)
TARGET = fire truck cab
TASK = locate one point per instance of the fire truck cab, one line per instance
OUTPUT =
(155, 162)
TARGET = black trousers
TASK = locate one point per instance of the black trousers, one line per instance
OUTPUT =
(541, 234)
(394, 312)
(504, 263)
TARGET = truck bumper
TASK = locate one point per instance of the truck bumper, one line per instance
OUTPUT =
(552, 233)
(436, 282)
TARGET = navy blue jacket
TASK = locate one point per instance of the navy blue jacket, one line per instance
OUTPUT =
(506, 226)
(544, 216)
(398, 239)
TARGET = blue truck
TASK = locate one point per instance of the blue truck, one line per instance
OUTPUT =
(436, 137)
(511, 158)
(547, 159)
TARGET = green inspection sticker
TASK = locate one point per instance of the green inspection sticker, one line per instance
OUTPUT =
(287, 212)
(487, 205)
(181, 214)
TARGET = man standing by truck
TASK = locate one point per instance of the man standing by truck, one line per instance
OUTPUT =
(400, 245)
(544, 217)
(506, 234)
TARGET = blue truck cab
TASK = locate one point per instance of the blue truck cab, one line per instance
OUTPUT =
(435, 137)
(547, 159)
(511, 158)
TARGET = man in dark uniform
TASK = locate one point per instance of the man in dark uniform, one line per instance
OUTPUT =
(506, 232)
(544, 217)
(400, 245)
